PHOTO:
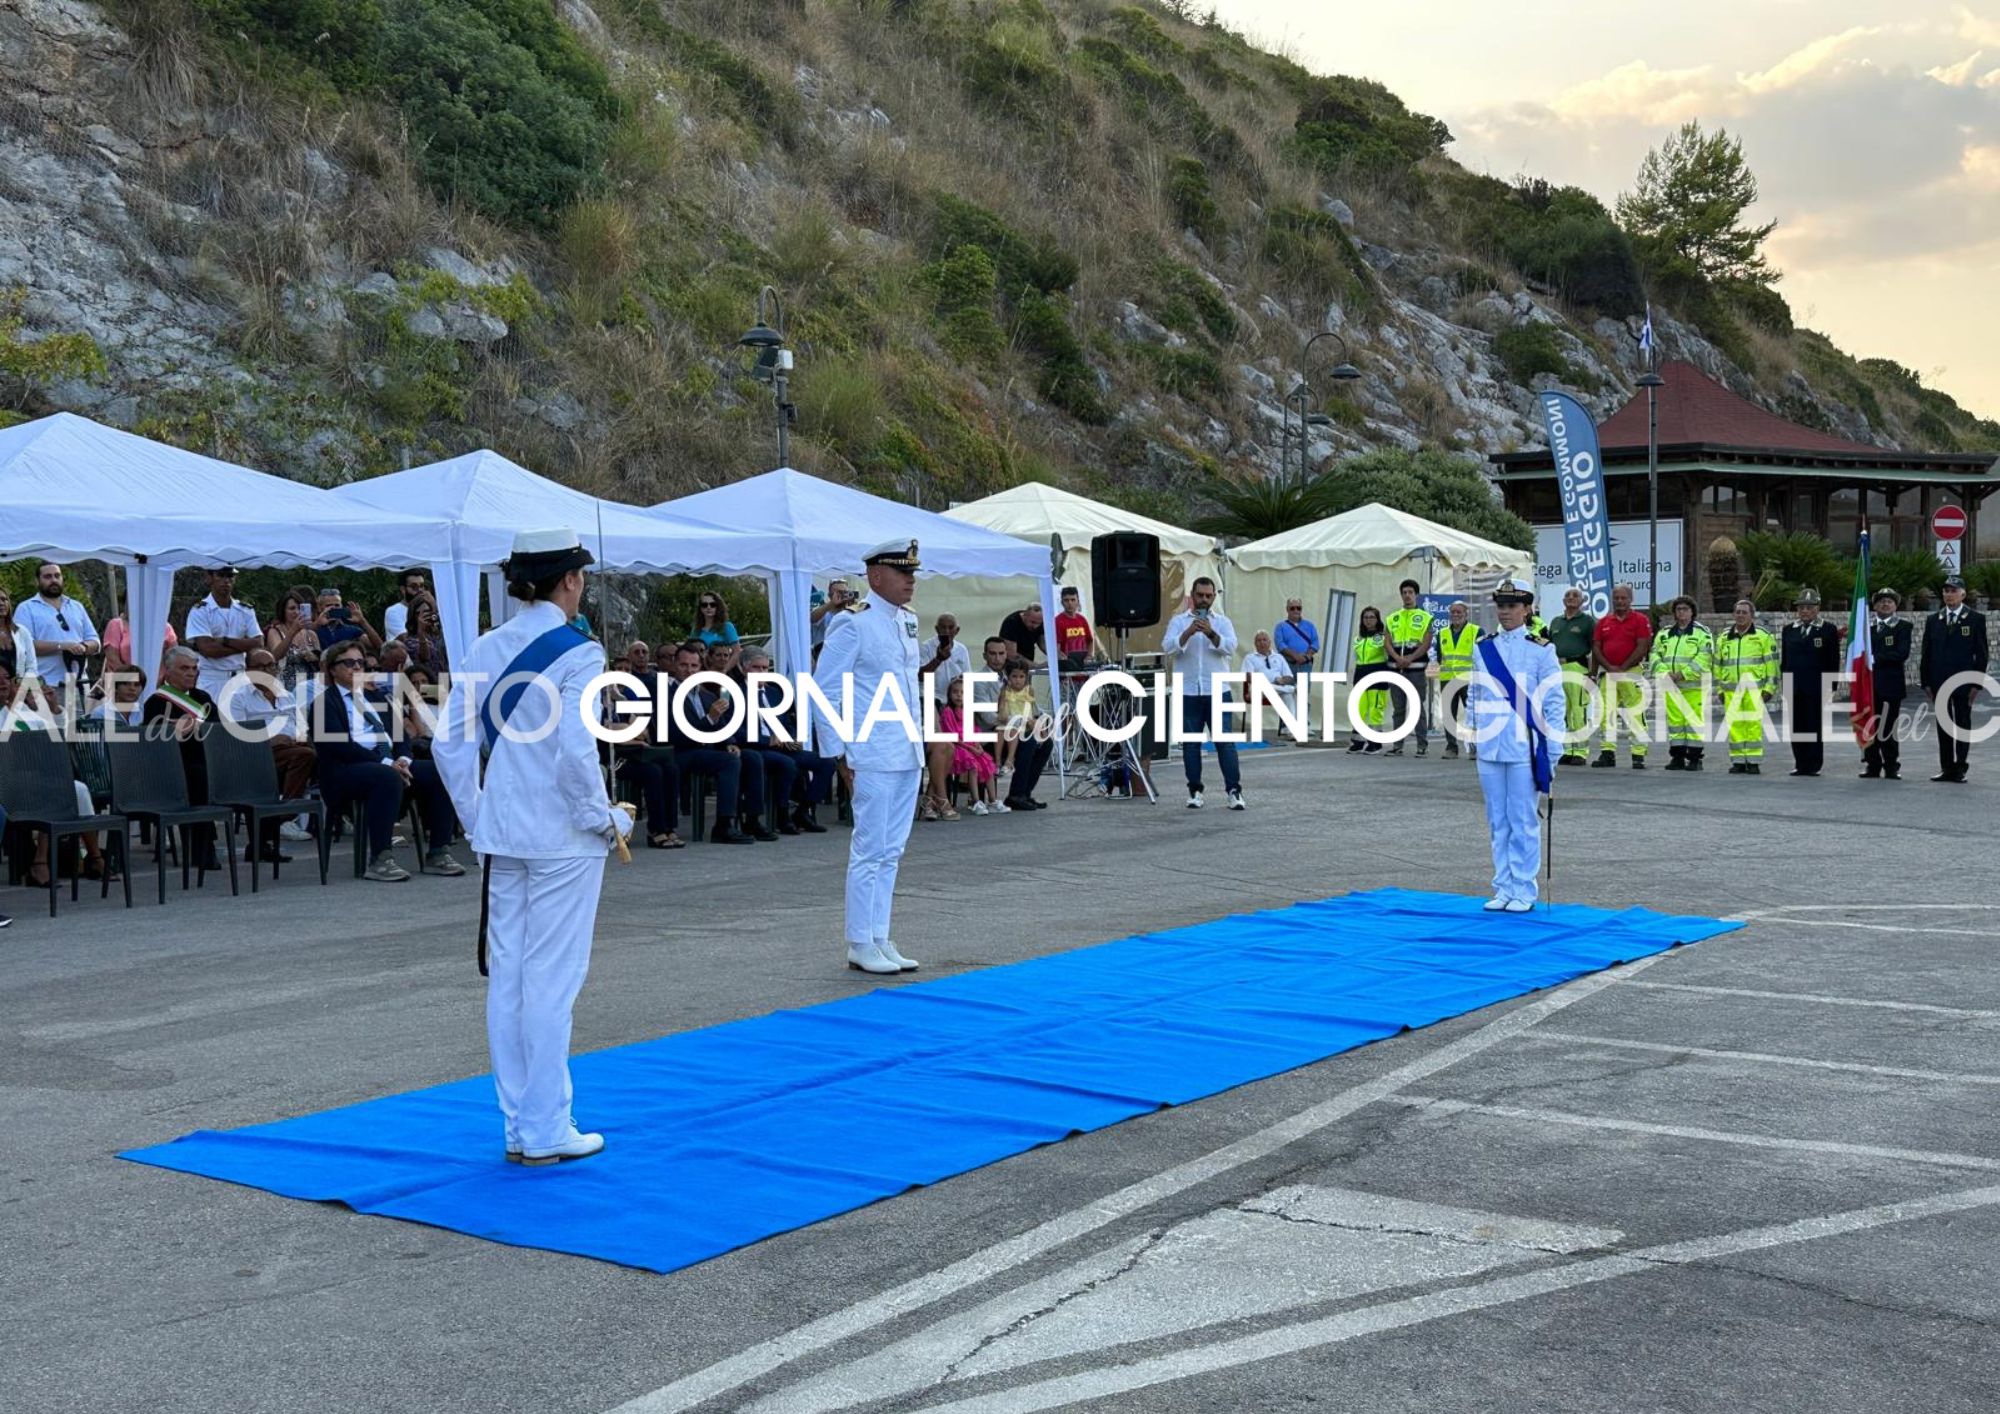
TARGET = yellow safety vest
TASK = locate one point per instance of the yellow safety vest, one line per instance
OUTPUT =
(1752, 656)
(1455, 652)
(1408, 625)
(1369, 651)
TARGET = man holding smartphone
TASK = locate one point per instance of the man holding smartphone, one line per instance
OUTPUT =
(1200, 643)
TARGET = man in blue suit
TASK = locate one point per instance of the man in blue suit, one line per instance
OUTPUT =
(360, 760)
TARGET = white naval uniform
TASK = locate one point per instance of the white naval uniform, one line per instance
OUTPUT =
(1506, 769)
(876, 641)
(544, 819)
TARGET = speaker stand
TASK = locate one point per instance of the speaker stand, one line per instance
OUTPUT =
(1092, 760)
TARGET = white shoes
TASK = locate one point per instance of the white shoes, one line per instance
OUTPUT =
(866, 957)
(979, 808)
(903, 964)
(1236, 800)
(999, 807)
(577, 1146)
(1194, 800)
(1495, 905)
(1518, 905)
(292, 832)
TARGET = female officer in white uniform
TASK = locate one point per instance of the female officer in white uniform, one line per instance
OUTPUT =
(876, 642)
(1515, 672)
(536, 809)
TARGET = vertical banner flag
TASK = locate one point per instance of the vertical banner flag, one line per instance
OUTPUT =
(1580, 480)
(1861, 653)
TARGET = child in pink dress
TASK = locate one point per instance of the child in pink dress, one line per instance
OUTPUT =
(969, 760)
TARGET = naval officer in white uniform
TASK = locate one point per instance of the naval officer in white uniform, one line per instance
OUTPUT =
(536, 809)
(1515, 672)
(876, 642)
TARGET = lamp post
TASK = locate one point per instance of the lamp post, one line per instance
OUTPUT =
(773, 365)
(1652, 383)
(1301, 396)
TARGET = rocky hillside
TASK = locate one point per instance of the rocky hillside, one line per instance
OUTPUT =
(1075, 240)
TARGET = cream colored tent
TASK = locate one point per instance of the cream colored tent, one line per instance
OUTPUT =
(1369, 551)
(1045, 515)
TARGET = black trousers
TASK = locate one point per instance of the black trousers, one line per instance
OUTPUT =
(739, 777)
(656, 776)
(1808, 705)
(380, 791)
(1031, 758)
(1884, 751)
(1955, 751)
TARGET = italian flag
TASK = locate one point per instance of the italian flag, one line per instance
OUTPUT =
(1861, 653)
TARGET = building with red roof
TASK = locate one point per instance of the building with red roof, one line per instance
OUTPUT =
(1727, 466)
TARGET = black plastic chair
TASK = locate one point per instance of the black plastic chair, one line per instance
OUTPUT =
(349, 821)
(243, 776)
(147, 784)
(38, 793)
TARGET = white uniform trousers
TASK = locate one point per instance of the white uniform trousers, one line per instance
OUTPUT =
(1516, 826)
(540, 916)
(885, 804)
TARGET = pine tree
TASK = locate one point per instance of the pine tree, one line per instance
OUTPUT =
(1686, 212)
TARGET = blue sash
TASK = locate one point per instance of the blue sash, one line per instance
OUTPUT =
(1538, 743)
(532, 661)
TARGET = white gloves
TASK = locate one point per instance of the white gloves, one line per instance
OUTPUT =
(619, 823)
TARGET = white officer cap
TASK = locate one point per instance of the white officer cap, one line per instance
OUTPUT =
(539, 554)
(895, 554)
(1512, 590)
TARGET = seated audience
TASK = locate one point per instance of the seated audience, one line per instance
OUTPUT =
(17, 642)
(643, 763)
(945, 658)
(180, 711)
(711, 620)
(25, 708)
(739, 778)
(255, 700)
(969, 760)
(813, 773)
(1018, 711)
(1265, 663)
(1032, 753)
(361, 763)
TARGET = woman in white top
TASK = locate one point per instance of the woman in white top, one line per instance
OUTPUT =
(16, 642)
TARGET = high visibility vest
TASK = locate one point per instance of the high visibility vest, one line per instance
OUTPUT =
(1749, 657)
(1455, 651)
(1369, 651)
(1409, 625)
(1687, 654)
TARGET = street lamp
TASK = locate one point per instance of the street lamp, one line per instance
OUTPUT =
(773, 365)
(1301, 397)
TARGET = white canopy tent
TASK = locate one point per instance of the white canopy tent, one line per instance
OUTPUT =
(75, 490)
(829, 528)
(482, 498)
(1050, 516)
(1369, 551)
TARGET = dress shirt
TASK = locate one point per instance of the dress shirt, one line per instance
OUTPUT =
(209, 619)
(875, 642)
(1198, 661)
(45, 622)
(1270, 665)
(242, 703)
(954, 667)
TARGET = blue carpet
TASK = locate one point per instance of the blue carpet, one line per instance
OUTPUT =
(721, 1137)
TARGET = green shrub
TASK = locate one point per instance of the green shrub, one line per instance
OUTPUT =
(1983, 577)
(1315, 255)
(339, 39)
(1041, 327)
(774, 111)
(1014, 67)
(1021, 262)
(27, 365)
(1356, 126)
(1190, 304)
(1161, 100)
(1758, 303)
(1781, 565)
(1193, 202)
(1188, 372)
(964, 283)
(1437, 485)
(1530, 349)
(842, 403)
(1906, 571)
(1143, 33)
(1561, 237)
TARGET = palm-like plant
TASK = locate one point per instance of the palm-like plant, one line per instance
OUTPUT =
(1254, 509)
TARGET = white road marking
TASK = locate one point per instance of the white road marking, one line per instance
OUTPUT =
(1892, 927)
(1194, 1361)
(1818, 997)
(1896, 1072)
(913, 1295)
(1714, 1136)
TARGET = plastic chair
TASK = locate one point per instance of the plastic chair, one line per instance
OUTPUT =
(147, 784)
(242, 776)
(38, 793)
(348, 820)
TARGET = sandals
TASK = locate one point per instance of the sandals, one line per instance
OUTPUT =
(98, 869)
(932, 811)
(668, 840)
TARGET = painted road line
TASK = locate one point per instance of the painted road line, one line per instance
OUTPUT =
(736, 1370)
(1896, 1072)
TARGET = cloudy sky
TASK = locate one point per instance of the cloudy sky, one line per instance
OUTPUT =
(1874, 132)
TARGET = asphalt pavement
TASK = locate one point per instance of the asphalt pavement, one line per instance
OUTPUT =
(1760, 1173)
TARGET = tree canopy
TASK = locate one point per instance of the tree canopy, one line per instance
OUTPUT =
(1686, 210)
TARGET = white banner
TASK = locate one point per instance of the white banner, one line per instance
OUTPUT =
(1628, 562)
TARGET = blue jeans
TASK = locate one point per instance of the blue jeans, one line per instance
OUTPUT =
(1196, 714)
